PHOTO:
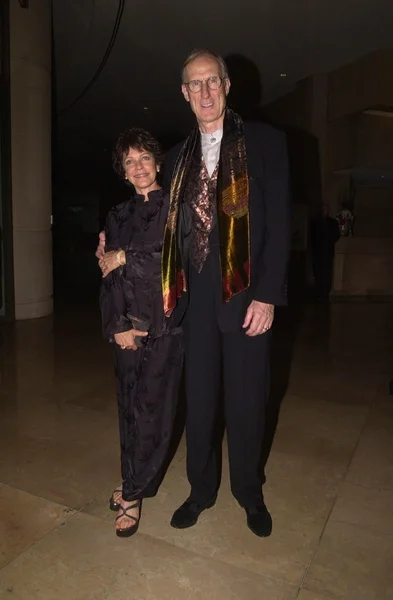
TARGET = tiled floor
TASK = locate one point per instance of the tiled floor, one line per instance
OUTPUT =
(329, 476)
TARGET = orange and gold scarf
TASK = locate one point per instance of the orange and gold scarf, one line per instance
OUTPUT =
(232, 215)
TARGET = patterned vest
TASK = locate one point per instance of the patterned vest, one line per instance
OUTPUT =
(203, 216)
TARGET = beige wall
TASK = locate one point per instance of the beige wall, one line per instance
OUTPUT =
(337, 187)
(363, 84)
(30, 40)
(364, 263)
(362, 141)
(319, 107)
(364, 266)
(293, 109)
(374, 212)
(329, 108)
(341, 144)
(305, 120)
(374, 142)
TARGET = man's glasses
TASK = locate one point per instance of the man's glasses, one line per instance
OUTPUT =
(213, 83)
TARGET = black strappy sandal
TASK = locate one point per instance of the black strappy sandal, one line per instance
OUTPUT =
(129, 531)
(113, 505)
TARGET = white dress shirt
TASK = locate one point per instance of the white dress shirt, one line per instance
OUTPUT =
(211, 143)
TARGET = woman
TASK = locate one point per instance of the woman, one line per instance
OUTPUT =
(148, 352)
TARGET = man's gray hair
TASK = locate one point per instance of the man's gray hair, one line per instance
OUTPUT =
(201, 52)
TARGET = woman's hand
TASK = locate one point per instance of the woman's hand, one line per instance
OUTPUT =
(101, 245)
(112, 260)
(126, 340)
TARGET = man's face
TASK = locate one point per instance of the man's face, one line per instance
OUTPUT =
(208, 104)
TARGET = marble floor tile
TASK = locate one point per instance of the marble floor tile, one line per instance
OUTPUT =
(53, 361)
(25, 519)
(372, 464)
(318, 428)
(56, 380)
(364, 507)
(84, 560)
(352, 563)
(336, 385)
(63, 453)
(307, 595)
(102, 399)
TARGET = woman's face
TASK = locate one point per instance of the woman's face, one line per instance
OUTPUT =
(141, 170)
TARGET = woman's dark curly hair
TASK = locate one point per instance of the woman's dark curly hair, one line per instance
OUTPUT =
(139, 139)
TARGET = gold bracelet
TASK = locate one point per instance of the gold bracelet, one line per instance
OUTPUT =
(118, 257)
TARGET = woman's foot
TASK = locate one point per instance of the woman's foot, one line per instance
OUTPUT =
(128, 516)
(115, 499)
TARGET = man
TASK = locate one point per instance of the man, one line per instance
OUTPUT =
(224, 261)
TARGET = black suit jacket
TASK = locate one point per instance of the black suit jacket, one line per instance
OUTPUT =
(270, 226)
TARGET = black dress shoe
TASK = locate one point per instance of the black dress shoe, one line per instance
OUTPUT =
(188, 513)
(259, 520)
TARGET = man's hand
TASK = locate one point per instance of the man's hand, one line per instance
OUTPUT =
(126, 340)
(259, 318)
(101, 245)
(111, 260)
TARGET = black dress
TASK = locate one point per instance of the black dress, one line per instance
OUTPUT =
(147, 380)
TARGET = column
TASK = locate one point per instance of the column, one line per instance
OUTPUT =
(30, 50)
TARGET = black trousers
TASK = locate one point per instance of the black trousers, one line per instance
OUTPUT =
(147, 383)
(242, 363)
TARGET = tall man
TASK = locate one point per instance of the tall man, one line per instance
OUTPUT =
(224, 263)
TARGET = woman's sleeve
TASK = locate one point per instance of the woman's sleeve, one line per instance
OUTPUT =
(112, 298)
(140, 260)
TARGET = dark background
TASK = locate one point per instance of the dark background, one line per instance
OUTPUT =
(117, 64)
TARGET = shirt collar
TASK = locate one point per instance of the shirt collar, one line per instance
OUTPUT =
(209, 139)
